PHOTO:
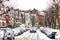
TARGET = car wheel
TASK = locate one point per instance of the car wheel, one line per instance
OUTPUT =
(8, 38)
(13, 38)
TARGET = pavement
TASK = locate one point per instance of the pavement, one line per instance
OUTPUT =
(32, 36)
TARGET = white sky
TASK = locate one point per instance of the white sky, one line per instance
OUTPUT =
(29, 4)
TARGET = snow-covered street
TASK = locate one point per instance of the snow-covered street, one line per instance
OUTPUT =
(33, 36)
(29, 19)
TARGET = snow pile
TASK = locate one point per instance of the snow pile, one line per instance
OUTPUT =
(42, 36)
(21, 37)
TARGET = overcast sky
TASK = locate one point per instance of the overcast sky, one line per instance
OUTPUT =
(29, 4)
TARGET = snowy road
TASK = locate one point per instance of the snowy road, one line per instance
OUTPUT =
(32, 36)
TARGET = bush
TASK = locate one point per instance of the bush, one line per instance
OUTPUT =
(9, 26)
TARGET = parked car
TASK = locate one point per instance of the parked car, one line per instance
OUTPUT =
(41, 28)
(2, 34)
(49, 32)
(19, 30)
(57, 35)
(28, 29)
(16, 31)
(33, 30)
(22, 27)
(9, 34)
(44, 29)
